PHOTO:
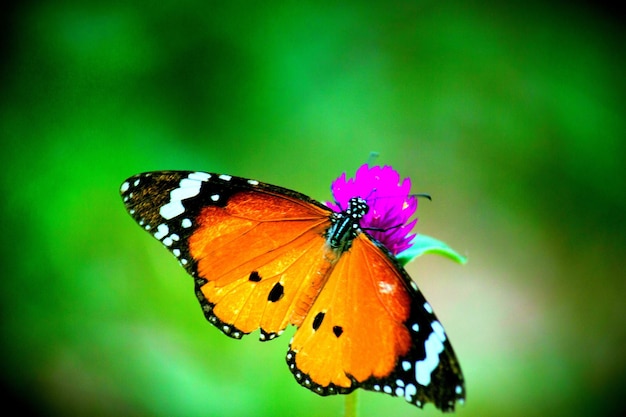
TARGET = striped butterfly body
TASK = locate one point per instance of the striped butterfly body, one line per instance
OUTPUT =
(264, 257)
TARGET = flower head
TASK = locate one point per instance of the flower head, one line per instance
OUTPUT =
(390, 204)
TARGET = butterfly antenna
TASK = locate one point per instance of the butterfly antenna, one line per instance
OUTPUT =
(422, 195)
(370, 194)
(385, 229)
(392, 196)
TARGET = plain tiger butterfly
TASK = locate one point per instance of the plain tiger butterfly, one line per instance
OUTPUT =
(263, 257)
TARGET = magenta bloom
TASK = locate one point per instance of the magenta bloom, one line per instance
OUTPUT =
(389, 200)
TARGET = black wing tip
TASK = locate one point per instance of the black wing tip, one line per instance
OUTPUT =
(136, 180)
(133, 181)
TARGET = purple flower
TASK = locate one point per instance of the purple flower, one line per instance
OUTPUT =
(389, 200)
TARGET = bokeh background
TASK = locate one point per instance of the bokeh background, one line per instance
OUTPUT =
(511, 114)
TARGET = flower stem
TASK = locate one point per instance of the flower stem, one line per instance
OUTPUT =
(350, 404)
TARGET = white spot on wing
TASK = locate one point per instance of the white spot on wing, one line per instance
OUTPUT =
(186, 223)
(200, 176)
(409, 392)
(215, 197)
(424, 368)
(253, 182)
(188, 187)
(385, 287)
(225, 177)
(125, 187)
(172, 209)
(438, 329)
(428, 308)
(162, 231)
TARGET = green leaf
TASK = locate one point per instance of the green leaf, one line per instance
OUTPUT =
(423, 244)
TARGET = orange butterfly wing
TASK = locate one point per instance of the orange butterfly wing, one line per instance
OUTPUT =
(262, 259)
(367, 329)
(256, 251)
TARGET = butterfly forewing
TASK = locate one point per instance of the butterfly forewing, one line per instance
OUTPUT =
(230, 234)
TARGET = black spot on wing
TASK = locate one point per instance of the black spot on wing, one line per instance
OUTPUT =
(317, 321)
(254, 276)
(276, 293)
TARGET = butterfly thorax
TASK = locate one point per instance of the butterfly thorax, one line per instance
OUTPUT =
(346, 225)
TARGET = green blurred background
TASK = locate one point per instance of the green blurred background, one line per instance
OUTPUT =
(510, 114)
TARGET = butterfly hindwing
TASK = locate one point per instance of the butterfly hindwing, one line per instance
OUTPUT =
(372, 328)
(243, 242)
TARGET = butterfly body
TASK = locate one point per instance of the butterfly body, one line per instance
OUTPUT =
(345, 225)
(264, 257)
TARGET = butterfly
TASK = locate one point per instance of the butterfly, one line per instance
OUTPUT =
(265, 257)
